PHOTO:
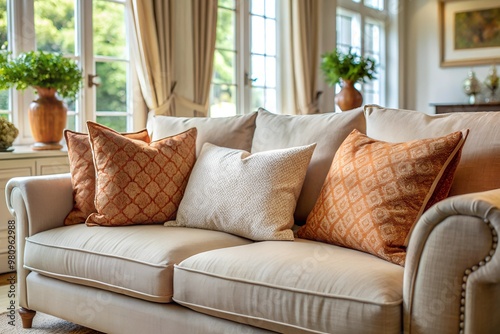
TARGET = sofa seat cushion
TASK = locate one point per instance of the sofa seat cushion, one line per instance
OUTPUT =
(294, 287)
(132, 260)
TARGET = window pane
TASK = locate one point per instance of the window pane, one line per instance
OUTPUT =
(4, 100)
(270, 104)
(55, 26)
(376, 4)
(3, 22)
(270, 37)
(270, 72)
(224, 65)
(109, 29)
(271, 9)
(227, 4)
(225, 37)
(71, 122)
(258, 99)
(258, 7)
(223, 101)
(258, 35)
(372, 38)
(117, 123)
(348, 30)
(111, 95)
(258, 70)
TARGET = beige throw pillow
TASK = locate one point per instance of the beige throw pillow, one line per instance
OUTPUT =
(250, 195)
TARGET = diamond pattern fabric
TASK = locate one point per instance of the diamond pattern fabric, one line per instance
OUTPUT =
(83, 175)
(137, 182)
(376, 191)
(249, 195)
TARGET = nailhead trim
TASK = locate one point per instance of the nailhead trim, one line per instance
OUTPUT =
(474, 268)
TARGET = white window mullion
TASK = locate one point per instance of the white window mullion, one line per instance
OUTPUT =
(243, 69)
(85, 51)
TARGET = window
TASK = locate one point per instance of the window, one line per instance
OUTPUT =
(93, 33)
(245, 60)
(360, 26)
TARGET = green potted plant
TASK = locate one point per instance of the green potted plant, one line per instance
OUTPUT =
(48, 74)
(347, 69)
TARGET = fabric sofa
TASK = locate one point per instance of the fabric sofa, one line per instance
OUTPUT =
(174, 279)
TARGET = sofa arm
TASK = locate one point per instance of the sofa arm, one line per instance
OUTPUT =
(452, 272)
(40, 203)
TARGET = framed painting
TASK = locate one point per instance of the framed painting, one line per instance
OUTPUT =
(469, 32)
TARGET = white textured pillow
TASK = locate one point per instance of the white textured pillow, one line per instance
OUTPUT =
(250, 195)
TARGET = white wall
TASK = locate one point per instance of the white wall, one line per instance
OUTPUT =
(427, 82)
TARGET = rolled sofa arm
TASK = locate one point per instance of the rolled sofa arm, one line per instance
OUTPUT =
(38, 203)
(452, 272)
(42, 201)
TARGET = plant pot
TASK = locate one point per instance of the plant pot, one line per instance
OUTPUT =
(349, 97)
(47, 116)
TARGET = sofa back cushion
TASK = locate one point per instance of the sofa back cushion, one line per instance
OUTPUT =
(480, 162)
(233, 132)
(327, 130)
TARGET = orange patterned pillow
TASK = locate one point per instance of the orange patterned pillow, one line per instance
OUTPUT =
(376, 191)
(137, 182)
(82, 171)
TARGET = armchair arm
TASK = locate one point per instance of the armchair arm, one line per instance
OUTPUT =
(452, 272)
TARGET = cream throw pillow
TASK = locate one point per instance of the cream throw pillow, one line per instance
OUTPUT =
(250, 195)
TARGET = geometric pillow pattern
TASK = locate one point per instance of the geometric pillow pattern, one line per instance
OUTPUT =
(138, 182)
(249, 195)
(376, 191)
(83, 176)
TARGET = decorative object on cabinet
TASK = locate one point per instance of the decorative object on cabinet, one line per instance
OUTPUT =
(472, 87)
(491, 82)
(48, 74)
(8, 133)
(468, 32)
(347, 69)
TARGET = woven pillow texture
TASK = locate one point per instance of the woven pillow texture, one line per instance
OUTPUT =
(83, 176)
(376, 191)
(137, 182)
(249, 195)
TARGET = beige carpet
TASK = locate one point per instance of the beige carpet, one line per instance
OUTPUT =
(42, 324)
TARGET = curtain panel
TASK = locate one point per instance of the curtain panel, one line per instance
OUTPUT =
(153, 43)
(301, 46)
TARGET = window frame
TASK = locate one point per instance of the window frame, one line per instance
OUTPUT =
(21, 25)
(243, 66)
(367, 14)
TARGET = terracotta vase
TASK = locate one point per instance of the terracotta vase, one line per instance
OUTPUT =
(47, 116)
(349, 97)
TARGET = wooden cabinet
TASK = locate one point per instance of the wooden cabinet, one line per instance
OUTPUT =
(24, 162)
(443, 108)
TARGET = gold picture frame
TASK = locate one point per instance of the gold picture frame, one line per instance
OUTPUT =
(469, 32)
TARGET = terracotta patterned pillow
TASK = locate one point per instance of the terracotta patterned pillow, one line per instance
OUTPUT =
(83, 173)
(376, 191)
(137, 182)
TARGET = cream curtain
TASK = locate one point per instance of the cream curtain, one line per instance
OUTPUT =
(153, 29)
(204, 29)
(152, 25)
(301, 44)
